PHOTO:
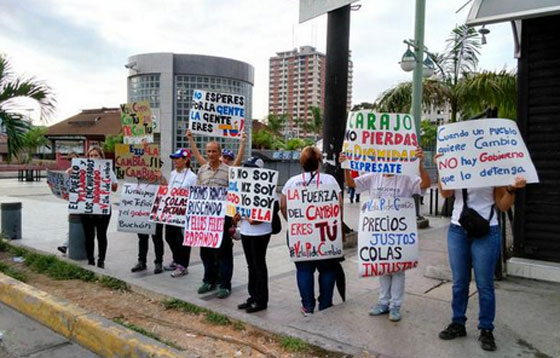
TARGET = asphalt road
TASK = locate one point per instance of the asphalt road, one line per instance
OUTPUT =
(23, 337)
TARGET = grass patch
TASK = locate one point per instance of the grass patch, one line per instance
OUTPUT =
(17, 251)
(183, 306)
(292, 344)
(57, 269)
(238, 326)
(113, 283)
(144, 332)
(4, 246)
(217, 319)
(12, 272)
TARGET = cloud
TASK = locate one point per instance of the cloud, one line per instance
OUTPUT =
(80, 47)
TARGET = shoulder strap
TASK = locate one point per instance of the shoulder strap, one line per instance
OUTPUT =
(311, 178)
(465, 198)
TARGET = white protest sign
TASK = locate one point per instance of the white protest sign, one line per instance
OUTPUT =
(134, 209)
(217, 114)
(206, 212)
(381, 143)
(314, 223)
(58, 182)
(169, 206)
(482, 153)
(251, 193)
(387, 236)
(90, 186)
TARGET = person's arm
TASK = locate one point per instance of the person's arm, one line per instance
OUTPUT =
(504, 196)
(240, 151)
(426, 181)
(347, 174)
(283, 206)
(195, 152)
(160, 179)
(444, 193)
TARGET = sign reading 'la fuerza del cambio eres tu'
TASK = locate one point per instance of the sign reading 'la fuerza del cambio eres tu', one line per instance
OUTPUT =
(217, 114)
(380, 143)
(482, 153)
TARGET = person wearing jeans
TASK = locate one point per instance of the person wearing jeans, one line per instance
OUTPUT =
(479, 253)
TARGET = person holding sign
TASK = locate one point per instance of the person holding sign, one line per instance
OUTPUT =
(218, 262)
(474, 242)
(255, 236)
(308, 263)
(391, 290)
(180, 177)
(93, 224)
(228, 158)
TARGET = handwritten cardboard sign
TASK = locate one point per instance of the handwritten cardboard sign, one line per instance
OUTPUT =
(206, 212)
(380, 143)
(482, 153)
(58, 182)
(136, 121)
(387, 236)
(217, 114)
(90, 186)
(137, 161)
(314, 223)
(251, 193)
(170, 206)
(135, 206)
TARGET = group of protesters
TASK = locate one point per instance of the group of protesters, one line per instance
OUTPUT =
(464, 253)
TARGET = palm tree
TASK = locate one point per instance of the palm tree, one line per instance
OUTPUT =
(276, 122)
(315, 125)
(33, 139)
(14, 89)
(458, 84)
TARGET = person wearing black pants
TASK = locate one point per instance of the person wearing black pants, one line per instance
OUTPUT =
(218, 264)
(143, 243)
(255, 253)
(181, 254)
(93, 224)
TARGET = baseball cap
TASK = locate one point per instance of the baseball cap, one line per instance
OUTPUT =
(254, 162)
(228, 153)
(180, 153)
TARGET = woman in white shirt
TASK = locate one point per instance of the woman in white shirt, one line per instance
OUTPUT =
(310, 160)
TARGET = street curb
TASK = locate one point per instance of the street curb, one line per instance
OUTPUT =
(90, 330)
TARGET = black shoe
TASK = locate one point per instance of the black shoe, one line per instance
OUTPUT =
(453, 331)
(486, 339)
(244, 305)
(91, 262)
(140, 266)
(253, 307)
(62, 249)
(101, 264)
(158, 269)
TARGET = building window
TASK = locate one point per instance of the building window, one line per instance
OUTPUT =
(145, 88)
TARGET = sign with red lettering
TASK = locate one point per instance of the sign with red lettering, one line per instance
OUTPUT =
(251, 193)
(387, 236)
(314, 223)
(136, 121)
(217, 114)
(135, 207)
(380, 143)
(206, 212)
(170, 206)
(137, 161)
(482, 153)
(90, 186)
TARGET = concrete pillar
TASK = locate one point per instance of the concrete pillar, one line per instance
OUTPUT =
(11, 220)
(76, 238)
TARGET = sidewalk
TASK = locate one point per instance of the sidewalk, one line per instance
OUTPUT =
(527, 317)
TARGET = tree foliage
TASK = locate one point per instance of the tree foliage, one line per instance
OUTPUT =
(33, 139)
(457, 83)
(110, 141)
(15, 92)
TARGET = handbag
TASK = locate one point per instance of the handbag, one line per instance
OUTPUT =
(474, 224)
(276, 222)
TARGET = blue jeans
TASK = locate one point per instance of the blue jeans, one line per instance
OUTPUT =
(482, 255)
(306, 283)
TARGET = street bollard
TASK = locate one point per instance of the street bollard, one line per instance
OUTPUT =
(11, 220)
(76, 238)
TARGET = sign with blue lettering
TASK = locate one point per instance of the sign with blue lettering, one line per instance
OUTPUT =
(217, 114)
(482, 153)
(387, 236)
(380, 143)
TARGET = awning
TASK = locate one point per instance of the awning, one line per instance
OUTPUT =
(492, 11)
